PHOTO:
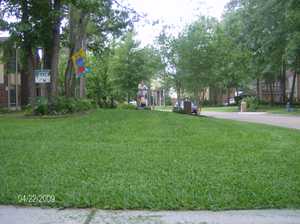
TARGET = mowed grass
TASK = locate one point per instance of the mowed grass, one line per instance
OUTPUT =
(280, 110)
(118, 159)
(221, 109)
(262, 108)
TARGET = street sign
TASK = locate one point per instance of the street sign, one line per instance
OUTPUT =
(42, 76)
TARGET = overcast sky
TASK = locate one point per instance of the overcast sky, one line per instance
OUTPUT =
(169, 12)
(172, 12)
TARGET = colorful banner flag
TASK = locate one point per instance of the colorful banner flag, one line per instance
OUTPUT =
(79, 62)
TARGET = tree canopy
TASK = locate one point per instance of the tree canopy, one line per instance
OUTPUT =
(255, 40)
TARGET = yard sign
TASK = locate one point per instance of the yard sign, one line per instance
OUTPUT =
(42, 76)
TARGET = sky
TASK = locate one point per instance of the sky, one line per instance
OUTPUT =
(176, 13)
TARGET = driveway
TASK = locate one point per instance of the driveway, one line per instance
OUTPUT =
(287, 121)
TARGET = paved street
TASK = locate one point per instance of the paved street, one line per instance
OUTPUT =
(288, 121)
(19, 215)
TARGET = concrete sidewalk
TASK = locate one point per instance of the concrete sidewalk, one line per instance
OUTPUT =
(20, 215)
(287, 121)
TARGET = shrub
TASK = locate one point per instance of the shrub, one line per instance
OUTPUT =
(84, 105)
(210, 103)
(252, 103)
(61, 105)
(178, 110)
(169, 101)
(4, 110)
(126, 106)
(41, 107)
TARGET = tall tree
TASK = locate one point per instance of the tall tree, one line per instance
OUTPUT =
(132, 64)
(91, 25)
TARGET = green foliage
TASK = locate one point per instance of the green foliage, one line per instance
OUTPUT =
(252, 103)
(61, 105)
(99, 84)
(41, 107)
(36, 24)
(168, 101)
(255, 40)
(118, 71)
(269, 30)
(206, 54)
(130, 65)
(178, 110)
(126, 106)
(4, 110)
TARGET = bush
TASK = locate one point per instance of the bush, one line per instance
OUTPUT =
(209, 103)
(169, 101)
(84, 105)
(178, 110)
(126, 106)
(61, 105)
(252, 103)
(41, 106)
(4, 110)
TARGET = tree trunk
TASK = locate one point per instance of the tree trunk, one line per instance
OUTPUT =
(271, 93)
(55, 48)
(82, 87)
(27, 45)
(24, 87)
(178, 91)
(258, 89)
(47, 65)
(31, 79)
(283, 81)
(69, 75)
(77, 24)
(128, 97)
(112, 102)
(293, 88)
(228, 96)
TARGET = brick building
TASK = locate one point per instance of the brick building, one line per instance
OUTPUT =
(275, 90)
(10, 83)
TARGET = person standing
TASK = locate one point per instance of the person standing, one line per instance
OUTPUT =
(142, 94)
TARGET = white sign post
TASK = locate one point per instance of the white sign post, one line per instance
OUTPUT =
(42, 76)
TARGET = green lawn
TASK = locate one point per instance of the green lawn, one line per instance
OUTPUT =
(221, 109)
(279, 110)
(164, 108)
(117, 159)
(262, 108)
